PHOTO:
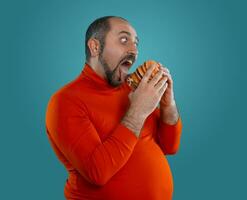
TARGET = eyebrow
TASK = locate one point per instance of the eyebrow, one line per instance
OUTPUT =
(129, 34)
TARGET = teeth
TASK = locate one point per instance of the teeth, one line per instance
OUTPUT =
(130, 61)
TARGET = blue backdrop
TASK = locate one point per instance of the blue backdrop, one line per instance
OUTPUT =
(203, 43)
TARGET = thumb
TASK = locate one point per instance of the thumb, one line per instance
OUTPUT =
(130, 95)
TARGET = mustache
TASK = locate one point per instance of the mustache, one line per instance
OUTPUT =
(130, 56)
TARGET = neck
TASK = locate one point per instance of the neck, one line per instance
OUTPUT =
(97, 67)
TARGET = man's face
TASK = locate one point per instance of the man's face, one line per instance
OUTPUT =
(120, 51)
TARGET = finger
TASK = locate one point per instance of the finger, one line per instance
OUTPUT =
(170, 81)
(163, 67)
(148, 73)
(156, 77)
(130, 95)
(163, 89)
(160, 84)
(165, 70)
(167, 73)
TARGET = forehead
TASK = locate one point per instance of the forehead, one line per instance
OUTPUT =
(120, 26)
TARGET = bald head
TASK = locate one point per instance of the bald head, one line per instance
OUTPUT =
(98, 29)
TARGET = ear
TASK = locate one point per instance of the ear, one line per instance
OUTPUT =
(94, 47)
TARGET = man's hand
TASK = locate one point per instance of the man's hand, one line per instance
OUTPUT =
(168, 109)
(167, 98)
(148, 94)
(144, 100)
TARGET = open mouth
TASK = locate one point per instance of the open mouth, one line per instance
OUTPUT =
(127, 63)
(124, 67)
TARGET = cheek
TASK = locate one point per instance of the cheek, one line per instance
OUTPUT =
(113, 54)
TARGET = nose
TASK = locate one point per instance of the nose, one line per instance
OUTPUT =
(133, 49)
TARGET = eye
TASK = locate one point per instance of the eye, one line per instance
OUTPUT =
(123, 39)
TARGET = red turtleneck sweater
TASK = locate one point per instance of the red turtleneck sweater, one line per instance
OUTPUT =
(104, 159)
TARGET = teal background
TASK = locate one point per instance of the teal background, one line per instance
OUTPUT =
(203, 43)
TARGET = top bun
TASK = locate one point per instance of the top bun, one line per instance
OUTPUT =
(134, 79)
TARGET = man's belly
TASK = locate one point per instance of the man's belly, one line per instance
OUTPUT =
(146, 175)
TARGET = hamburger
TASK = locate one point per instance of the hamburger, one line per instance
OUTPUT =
(134, 79)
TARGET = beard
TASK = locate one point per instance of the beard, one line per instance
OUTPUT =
(110, 74)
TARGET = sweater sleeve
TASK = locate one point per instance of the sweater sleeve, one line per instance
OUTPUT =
(168, 136)
(74, 134)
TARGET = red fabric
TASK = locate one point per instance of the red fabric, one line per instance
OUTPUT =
(104, 159)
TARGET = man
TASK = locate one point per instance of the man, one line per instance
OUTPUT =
(112, 140)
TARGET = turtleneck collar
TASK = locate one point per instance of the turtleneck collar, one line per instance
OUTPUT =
(97, 81)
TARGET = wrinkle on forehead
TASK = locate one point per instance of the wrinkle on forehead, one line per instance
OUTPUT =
(118, 25)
